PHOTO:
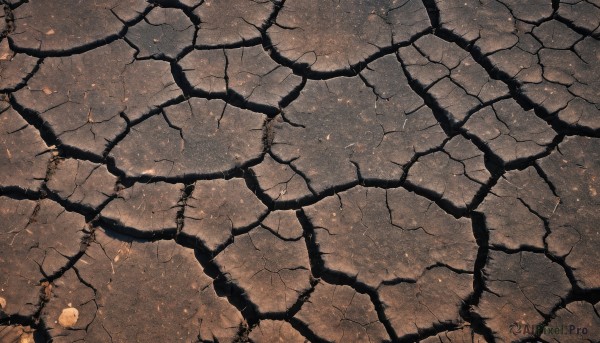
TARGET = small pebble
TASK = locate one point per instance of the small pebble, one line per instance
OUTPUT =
(68, 317)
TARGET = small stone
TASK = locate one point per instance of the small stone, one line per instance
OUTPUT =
(68, 317)
(2, 303)
(16, 334)
(26, 337)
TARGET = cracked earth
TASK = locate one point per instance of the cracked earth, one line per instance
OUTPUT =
(300, 170)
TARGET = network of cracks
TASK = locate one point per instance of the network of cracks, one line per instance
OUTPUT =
(300, 170)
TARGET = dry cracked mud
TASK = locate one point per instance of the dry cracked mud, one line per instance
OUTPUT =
(299, 171)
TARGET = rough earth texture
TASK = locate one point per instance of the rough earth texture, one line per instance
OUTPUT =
(299, 171)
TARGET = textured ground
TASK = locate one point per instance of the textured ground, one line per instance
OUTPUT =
(300, 170)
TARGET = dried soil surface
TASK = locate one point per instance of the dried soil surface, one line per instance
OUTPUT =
(299, 170)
